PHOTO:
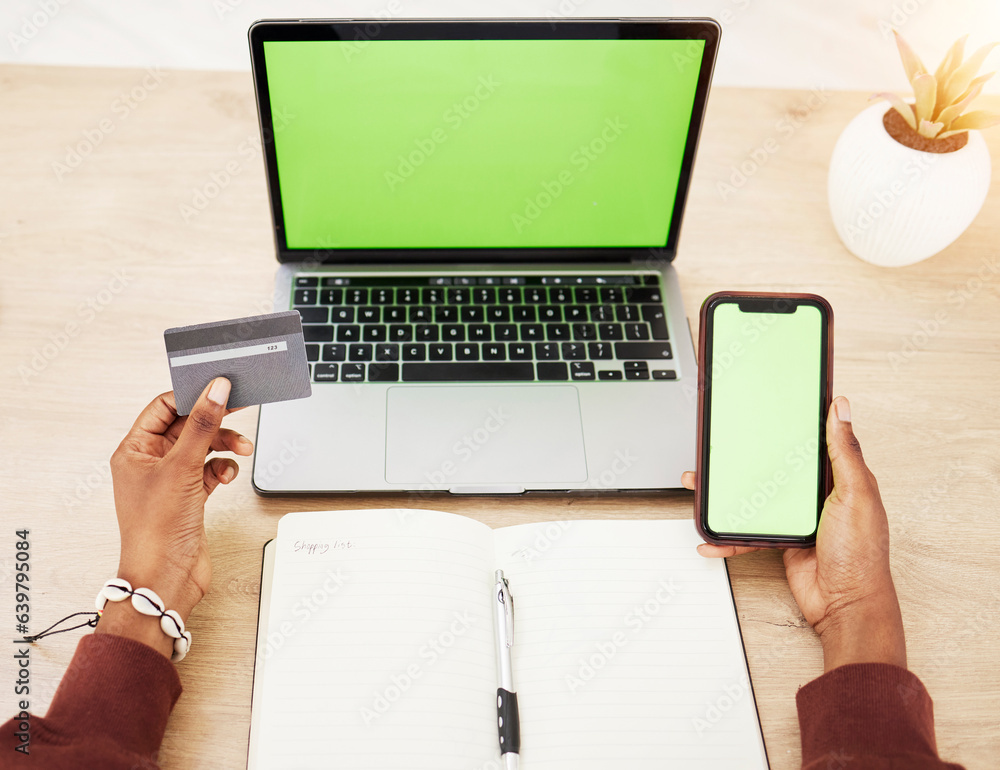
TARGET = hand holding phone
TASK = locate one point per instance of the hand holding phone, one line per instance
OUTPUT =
(764, 378)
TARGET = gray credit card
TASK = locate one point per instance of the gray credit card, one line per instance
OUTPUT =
(263, 356)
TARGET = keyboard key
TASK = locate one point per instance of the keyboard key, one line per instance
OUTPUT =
(453, 333)
(400, 333)
(536, 295)
(520, 351)
(382, 296)
(560, 294)
(612, 294)
(372, 333)
(547, 351)
(582, 370)
(440, 352)
(457, 296)
(656, 351)
(314, 315)
(348, 333)
(637, 331)
(636, 374)
(609, 374)
(599, 351)
(356, 296)
(427, 332)
(610, 331)
(408, 296)
(553, 370)
(445, 314)
(415, 352)
(331, 296)
(394, 315)
(305, 296)
(644, 294)
(509, 295)
(550, 313)
(602, 313)
(312, 352)
(664, 374)
(584, 332)
(504, 332)
(473, 314)
(433, 296)
(586, 295)
(557, 331)
(483, 371)
(383, 372)
(387, 351)
(306, 281)
(359, 352)
(498, 314)
(573, 351)
(524, 313)
(325, 373)
(352, 372)
(656, 318)
(484, 295)
(467, 351)
(369, 315)
(496, 351)
(627, 313)
(480, 333)
(317, 333)
(512, 280)
(532, 332)
(420, 314)
(335, 352)
(342, 315)
(576, 314)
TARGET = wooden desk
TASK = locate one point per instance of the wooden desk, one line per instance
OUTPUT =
(104, 251)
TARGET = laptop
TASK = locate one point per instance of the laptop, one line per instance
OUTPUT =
(477, 221)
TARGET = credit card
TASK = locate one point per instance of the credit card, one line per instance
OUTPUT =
(263, 356)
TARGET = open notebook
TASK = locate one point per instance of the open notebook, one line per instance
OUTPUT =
(376, 646)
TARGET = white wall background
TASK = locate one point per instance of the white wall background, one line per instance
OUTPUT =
(843, 44)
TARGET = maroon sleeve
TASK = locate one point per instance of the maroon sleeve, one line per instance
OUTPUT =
(868, 716)
(110, 711)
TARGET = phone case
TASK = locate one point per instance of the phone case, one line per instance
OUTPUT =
(700, 514)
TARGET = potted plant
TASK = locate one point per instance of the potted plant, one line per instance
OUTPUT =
(906, 181)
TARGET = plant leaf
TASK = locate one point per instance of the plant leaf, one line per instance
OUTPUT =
(950, 62)
(948, 114)
(960, 79)
(928, 129)
(925, 91)
(911, 62)
(975, 120)
(902, 107)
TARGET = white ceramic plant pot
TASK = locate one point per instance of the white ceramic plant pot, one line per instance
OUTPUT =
(893, 205)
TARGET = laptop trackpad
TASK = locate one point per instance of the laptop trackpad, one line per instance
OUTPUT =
(456, 435)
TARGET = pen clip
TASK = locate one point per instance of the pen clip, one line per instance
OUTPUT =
(504, 597)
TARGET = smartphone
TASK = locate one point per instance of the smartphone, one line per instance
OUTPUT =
(764, 381)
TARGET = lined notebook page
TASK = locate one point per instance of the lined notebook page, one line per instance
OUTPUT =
(627, 651)
(380, 649)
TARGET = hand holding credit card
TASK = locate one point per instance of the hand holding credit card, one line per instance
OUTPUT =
(264, 357)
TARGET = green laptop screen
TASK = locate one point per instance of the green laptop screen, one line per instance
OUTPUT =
(480, 143)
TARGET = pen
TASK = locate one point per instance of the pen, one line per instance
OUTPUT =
(508, 722)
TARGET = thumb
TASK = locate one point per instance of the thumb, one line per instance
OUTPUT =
(202, 425)
(849, 469)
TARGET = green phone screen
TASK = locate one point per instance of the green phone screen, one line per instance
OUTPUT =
(764, 395)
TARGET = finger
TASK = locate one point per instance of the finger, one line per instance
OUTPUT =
(219, 470)
(158, 415)
(174, 431)
(230, 441)
(724, 551)
(202, 426)
(850, 473)
(687, 479)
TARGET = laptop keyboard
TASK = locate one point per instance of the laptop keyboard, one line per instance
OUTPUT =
(484, 329)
